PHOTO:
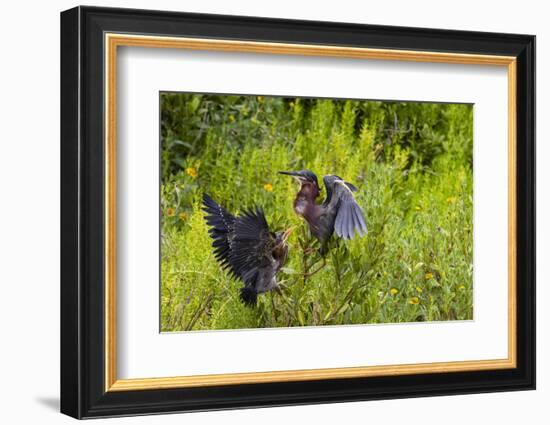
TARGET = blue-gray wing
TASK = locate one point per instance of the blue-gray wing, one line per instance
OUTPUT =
(349, 216)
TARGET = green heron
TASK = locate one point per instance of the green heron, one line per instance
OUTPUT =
(246, 247)
(338, 213)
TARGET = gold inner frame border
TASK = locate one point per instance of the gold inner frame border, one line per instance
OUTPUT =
(112, 41)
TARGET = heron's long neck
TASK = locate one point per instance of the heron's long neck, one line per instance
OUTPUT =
(305, 204)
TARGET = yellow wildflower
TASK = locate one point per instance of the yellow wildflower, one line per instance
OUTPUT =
(291, 104)
(419, 289)
(268, 187)
(462, 287)
(260, 99)
(170, 212)
(451, 199)
(418, 208)
(394, 291)
(429, 276)
(232, 118)
(183, 216)
(191, 171)
(414, 301)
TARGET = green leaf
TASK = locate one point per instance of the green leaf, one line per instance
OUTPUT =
(182, 143)
(343, 308)
(301, 318)
(180, 162)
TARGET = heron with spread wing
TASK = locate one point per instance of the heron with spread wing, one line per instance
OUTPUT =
(246, 247)
(339, 213)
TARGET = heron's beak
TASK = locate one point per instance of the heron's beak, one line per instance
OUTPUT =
(294, 174)
(287, 233)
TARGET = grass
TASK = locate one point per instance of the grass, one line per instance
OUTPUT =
(411, 162)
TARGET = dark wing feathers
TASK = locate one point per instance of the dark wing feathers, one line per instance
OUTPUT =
(329, 183)
(249, 295)
(251, 245)
(241, 244)
(349, 216)
(221, 225)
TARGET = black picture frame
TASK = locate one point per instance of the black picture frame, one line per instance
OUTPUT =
(83, 392)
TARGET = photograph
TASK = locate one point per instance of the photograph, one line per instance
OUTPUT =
(261, 211)
(281, 211)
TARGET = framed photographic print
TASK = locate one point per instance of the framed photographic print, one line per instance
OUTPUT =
(261, 212)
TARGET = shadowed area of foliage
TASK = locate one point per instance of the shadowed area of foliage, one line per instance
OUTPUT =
(412, 164)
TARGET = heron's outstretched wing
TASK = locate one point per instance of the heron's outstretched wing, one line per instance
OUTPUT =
(349, 216)
(251, 245)
(329, 182)
(243, 245)
(221, 225)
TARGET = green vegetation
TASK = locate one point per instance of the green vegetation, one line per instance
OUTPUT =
(411, 162)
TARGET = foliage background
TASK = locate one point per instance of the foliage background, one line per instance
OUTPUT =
(412, 163)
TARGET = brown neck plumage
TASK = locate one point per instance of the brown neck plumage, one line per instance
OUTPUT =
(309, 191)
(305, 202)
